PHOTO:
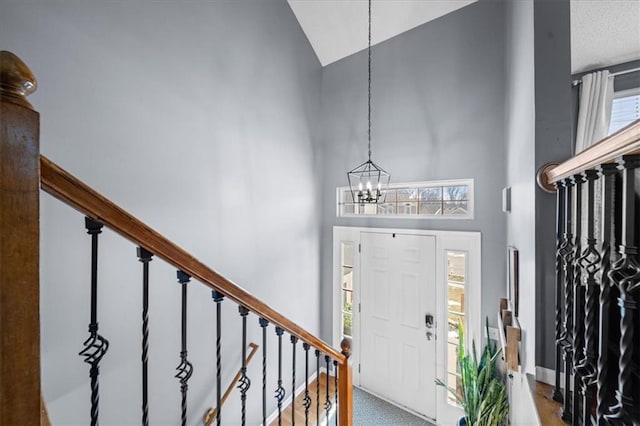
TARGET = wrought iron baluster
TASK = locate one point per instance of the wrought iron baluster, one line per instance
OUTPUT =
(280, 392)
(306, 402)
(95, 346)
(335, 387)
(294, 340)
(218, 298)
(145, 257)
(566, 339)
(244, 383)
(578, 297)
(560, 232)
(625, 275)
(327, 403)
(264, 323)
(317, 386)
(185, 369)
(605, 390)
(590, 264)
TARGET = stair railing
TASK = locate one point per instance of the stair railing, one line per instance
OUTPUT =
(598, 280)
(23, 172)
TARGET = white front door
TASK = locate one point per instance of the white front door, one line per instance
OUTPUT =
(398, 292)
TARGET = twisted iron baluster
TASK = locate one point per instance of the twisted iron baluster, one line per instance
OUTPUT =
(185, 369)
(335, 386)
(95, 346)
(625, 274)
(145, 257)
(280, 392)
(294, 340)
(264, 323)
(218, 298)
(306, 402)
(317, 386)
(605, 400)
(560, 223)
(578, 298)
(327, 404)
(590, 264)
(244, 383)
(566, 340)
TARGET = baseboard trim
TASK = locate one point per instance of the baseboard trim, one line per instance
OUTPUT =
(548, 376)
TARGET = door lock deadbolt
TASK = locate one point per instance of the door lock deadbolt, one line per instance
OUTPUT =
(428, 321)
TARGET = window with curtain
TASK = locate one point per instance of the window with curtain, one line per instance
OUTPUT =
(625, 109)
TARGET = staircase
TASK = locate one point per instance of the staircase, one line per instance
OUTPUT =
(23, 173)
(597, 312)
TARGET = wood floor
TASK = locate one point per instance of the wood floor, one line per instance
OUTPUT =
(548, 409)
(286, 419)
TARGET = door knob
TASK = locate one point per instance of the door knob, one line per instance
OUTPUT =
(429, 335)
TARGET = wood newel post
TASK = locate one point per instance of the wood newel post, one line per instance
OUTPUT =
(345, 386)
(19, 246)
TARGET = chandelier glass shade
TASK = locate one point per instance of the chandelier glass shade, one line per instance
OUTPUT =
(368, 182)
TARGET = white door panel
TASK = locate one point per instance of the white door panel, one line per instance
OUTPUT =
(397, 361)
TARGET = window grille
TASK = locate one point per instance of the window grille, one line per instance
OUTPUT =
(451, 199)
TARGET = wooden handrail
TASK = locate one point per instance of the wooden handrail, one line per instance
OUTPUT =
(210, 415)
(67, 188)
(624, 142)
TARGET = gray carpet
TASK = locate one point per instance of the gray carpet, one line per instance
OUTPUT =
(369, 410)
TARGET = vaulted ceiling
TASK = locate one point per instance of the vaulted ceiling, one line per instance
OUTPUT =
(603, 32)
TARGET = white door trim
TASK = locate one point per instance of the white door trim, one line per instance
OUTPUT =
(445, 240)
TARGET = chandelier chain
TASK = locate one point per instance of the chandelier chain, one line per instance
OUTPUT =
(368, 181)
(369, 87)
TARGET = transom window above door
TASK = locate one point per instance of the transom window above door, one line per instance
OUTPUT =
(451, 199)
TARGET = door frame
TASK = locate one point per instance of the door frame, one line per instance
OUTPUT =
(465, 241)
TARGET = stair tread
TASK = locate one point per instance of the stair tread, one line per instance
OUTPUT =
(549, 410)
(299, 408)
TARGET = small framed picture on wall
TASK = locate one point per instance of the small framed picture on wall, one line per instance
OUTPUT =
(512, 278)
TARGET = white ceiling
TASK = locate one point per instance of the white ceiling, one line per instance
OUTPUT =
(603, 32)
(339, 28)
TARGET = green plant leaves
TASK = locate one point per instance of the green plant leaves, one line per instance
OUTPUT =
(484, 395)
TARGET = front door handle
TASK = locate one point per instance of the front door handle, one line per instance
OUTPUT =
(428, 321)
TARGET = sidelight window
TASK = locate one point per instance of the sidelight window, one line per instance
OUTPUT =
(456, 283)
(348, 253)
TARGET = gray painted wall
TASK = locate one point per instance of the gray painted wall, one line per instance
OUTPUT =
(553, 143)
(199, 118)
(130, 91)
(520, 137)
(438, 113)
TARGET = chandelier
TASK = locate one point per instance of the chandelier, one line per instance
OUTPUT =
(368, 182)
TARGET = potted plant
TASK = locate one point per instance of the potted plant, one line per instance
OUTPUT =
(483, 394)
